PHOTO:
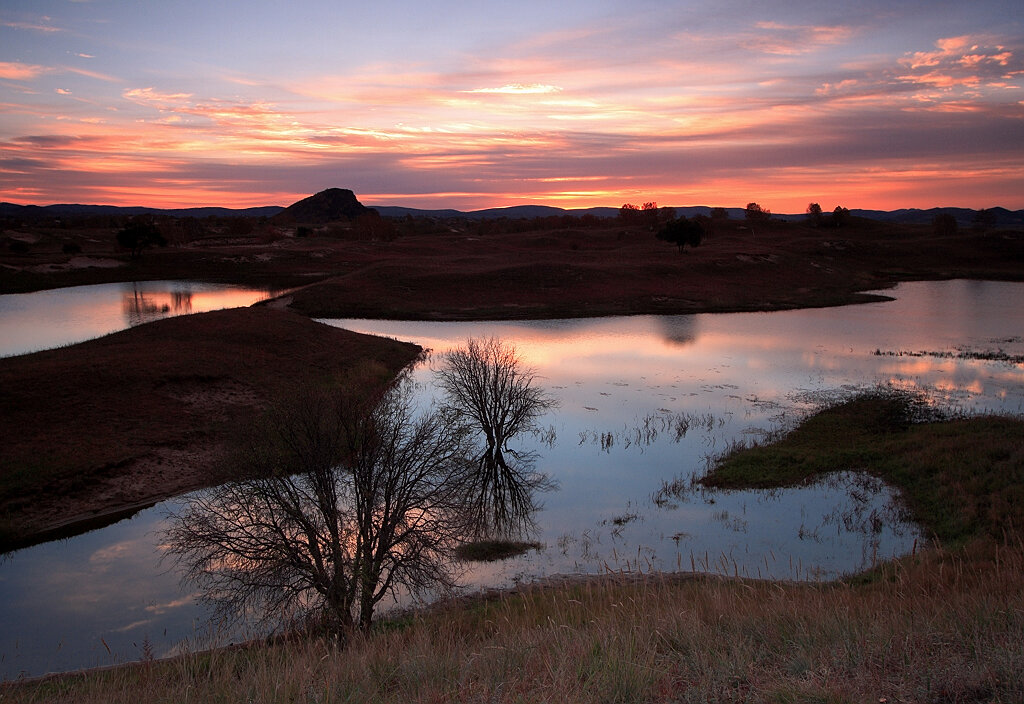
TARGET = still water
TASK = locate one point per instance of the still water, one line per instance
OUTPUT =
(625, 387)
(30, 322)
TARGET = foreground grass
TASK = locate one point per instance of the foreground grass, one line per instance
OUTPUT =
(943, 625)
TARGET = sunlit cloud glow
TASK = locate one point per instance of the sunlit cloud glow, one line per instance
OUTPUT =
(700, 104)
(519, 89)
(20, 72)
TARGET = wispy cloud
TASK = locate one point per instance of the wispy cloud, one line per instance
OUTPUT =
(32, 26)
(519, 89)
(91, 74)
(158, 99)
(16, 71)
(793, 40)
(163, 608)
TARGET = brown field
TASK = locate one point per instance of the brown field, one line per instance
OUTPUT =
(563, 272)
(120, 422)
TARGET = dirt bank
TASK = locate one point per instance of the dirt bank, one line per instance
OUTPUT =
(107, 426)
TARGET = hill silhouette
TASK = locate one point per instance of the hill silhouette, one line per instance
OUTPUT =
(336, 204)
(324, 207)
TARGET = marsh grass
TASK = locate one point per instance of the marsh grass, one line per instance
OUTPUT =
(944, 624)
(961, 477)
(492, 550)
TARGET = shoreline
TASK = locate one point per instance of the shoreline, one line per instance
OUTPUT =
(151, 412)
(68, 410)
(92, 515)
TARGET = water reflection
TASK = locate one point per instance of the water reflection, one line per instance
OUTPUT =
(141, 307)
(679, 330)
(496, 397)
(351, 500)
(636, 410)
(30, 322)
(92, 600)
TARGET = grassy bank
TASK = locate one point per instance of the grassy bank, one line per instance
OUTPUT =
(146, 413)
(961, 478)
(943, 625)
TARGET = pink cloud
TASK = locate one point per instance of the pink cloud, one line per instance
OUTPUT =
(32, 26)
(16, 71)
(961, 61)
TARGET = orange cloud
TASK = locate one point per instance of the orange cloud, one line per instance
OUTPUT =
(961, 62)
(16, 71)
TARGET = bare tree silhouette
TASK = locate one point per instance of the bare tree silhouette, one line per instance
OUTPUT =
(349, 500)
(489, 388)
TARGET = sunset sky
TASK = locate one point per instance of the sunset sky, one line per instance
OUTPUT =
(867, 104)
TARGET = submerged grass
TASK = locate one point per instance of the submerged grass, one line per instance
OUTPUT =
(945, 624)
(492, 550)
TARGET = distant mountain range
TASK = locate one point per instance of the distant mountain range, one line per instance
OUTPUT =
(964, 216)
(12, 209)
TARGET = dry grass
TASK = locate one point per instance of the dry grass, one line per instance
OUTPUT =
(474, 272)
(937, 628)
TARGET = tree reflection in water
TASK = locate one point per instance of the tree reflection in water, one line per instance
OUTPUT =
(489, 389)
(142, 307)
(348, 500)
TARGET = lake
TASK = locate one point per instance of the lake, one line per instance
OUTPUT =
(643, 404)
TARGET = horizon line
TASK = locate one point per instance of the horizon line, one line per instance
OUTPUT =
(500, 207)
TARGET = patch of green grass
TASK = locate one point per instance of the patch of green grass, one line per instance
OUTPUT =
(961, 478)
(492, 550)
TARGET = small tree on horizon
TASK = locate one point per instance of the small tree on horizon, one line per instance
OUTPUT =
(814, 214)
(840, 216)
(682, 232)
(755, 213)
(629, 212)
(138, 235)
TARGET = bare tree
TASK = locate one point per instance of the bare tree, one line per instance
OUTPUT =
(350, 500)
(489, 388)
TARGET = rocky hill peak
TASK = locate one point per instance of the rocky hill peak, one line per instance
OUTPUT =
(323, 207)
